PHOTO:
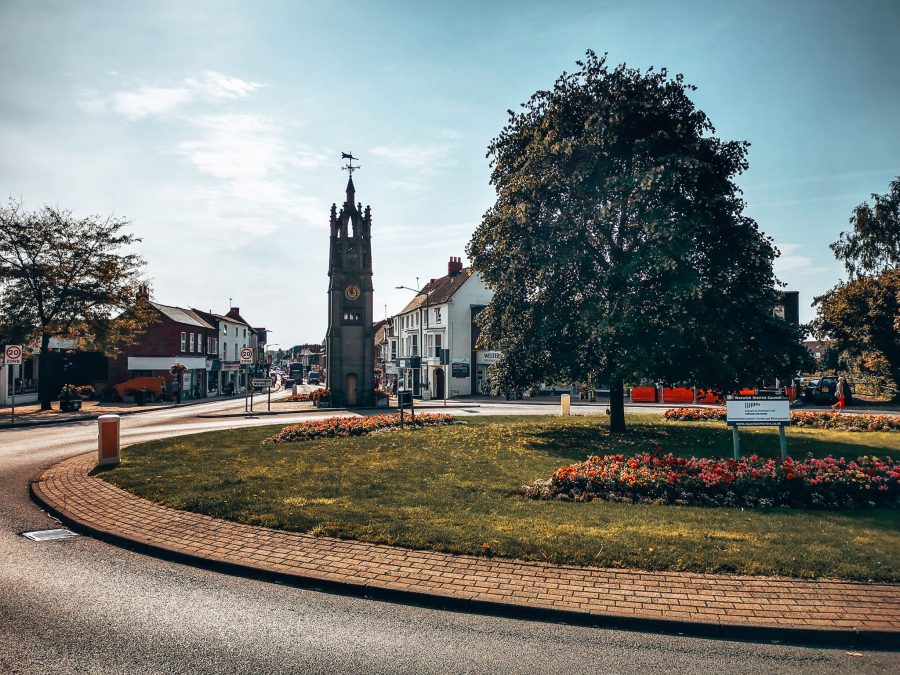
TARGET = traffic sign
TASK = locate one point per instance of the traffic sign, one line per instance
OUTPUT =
(247, 355)
(13, 355)
(261, 382)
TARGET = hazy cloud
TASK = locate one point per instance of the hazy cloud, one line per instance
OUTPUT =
(148, 101)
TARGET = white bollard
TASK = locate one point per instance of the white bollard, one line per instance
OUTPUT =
(565, 404)
(295, 390)
(108, 449)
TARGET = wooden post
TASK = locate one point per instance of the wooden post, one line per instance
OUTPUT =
(783, 439)
(736, 439)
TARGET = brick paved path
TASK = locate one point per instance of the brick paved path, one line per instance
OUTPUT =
(734, 602)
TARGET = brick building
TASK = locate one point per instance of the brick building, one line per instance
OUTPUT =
(176, 335)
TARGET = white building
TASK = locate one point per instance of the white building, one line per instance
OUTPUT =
(433, 337)
(234, 334)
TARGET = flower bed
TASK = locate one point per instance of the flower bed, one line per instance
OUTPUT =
(353, 426)
(809, 419)
(297, 397)
(654, 477)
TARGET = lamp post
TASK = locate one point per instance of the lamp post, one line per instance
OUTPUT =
(424, 381)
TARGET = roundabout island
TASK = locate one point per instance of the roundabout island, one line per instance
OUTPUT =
(440, 512)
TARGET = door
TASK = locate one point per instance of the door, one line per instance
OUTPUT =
(439, 385)
(350, 389)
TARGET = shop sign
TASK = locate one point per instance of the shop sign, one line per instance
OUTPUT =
(487, 358)
(458, 369)
(390, 368)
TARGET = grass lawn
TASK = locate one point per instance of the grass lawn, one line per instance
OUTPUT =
(451, 489)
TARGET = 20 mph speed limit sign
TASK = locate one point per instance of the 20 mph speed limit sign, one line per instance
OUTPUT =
(247, 355)
(13, 355)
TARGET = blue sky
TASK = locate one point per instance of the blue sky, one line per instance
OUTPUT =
(217, 127)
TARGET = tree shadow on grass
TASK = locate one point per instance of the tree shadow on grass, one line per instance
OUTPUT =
(692, 439)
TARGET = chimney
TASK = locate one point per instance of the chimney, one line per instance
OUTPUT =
(143, 293)
(454, 267)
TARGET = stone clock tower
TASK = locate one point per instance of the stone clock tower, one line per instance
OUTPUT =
(350, 340)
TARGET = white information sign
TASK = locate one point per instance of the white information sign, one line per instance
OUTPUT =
(487, 358)
(261, 382)
(13, 355)
(247, 355)
(751, 411)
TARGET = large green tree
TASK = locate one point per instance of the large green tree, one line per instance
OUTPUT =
(873, 245)
(67, 277)
(617, 248)
(861, 316)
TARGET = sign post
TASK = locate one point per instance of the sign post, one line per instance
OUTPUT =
(264, 382)
(12, 354)
(757, 411)
(405, 400)
(247, 359)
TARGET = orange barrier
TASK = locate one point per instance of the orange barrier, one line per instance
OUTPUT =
(747, 392)
(678, 395)
(704, 396)
(643, 395)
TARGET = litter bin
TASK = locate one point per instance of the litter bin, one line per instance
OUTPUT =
(140, 397)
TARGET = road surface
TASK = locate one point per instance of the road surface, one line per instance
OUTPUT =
(81, 605)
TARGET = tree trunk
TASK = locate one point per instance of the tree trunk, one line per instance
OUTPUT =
(617, 406)
(44, 393)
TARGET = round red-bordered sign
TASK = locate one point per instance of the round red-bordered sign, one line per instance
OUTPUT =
(13, 355)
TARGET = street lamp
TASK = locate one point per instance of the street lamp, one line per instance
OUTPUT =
(422, 320)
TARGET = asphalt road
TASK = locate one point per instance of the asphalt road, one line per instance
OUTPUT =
(81, 605)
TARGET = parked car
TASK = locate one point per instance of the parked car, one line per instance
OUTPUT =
(822, 391)
(289, 382)
(313, 377)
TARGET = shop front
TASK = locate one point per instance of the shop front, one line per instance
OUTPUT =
(484, 359)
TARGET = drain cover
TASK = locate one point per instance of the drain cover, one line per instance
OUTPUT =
(49, 535)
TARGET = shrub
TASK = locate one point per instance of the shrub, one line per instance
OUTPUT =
(654, 477)
(799, 418)
(320, 394)
(353, 426)
(85, 390)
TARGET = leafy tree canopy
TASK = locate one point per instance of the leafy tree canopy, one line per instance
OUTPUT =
(861, 317)
(617, 248)
(873, 246)
(62, 276)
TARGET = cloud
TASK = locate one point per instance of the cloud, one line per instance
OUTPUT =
(423, 161)
(249, 161)
(414, 156)
(791, 262)
(148, 101)
(155, 101)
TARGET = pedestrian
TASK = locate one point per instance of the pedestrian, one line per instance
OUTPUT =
(840, 393)
(163, 392)
(176, 392)
(230, 388)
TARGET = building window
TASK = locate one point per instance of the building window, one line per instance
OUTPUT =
(437, 345)
(437, 315)
(415, 345)
(352, 315)
(393, 349)
(224, 329)
(245, 334)
(184, 342)
(225, 351)
(191, 348)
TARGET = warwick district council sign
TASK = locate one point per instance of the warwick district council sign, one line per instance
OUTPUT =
(749, 411)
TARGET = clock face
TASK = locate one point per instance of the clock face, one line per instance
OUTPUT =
(351, 292)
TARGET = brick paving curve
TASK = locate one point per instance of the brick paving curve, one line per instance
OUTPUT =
(743, 602)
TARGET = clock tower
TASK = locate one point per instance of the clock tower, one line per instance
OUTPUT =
(350, 340)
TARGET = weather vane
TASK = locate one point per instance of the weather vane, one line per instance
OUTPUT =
(350, 168)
